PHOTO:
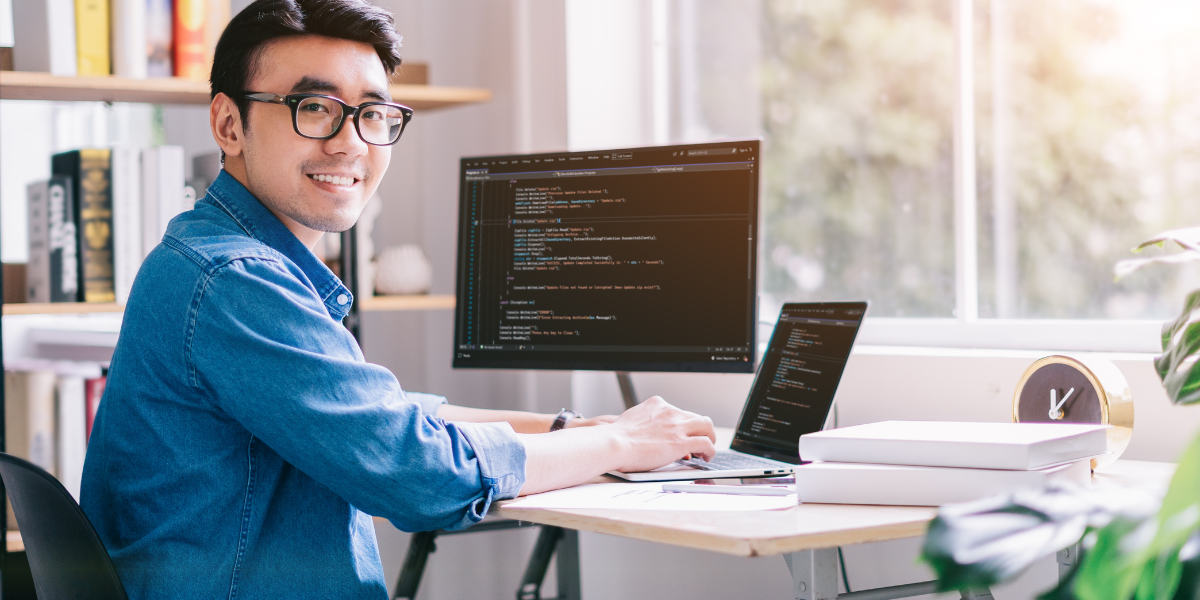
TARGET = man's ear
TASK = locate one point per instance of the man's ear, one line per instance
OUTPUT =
(226, 122)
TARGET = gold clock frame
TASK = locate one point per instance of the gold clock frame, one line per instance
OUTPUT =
(1116, 399)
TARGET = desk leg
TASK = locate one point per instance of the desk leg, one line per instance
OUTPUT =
(814, 573)
(569, 587)
(1067, 559)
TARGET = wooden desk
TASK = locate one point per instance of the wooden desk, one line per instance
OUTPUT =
(807, 535)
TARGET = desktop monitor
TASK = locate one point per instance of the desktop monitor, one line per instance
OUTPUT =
(634, 259)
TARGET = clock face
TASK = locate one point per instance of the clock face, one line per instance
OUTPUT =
(1059, 393)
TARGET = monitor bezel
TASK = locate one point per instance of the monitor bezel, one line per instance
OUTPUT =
(458, 362)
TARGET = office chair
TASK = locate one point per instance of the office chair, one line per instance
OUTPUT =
(66, 557)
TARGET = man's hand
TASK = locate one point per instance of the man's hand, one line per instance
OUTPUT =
(654, 433)
(592, 422)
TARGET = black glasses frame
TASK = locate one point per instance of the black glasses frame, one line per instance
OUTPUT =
(293, 101)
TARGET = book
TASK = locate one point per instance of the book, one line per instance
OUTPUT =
(6, 25)
(90, 170)
(1020, 446)
(16, 422)
(218, 13)
(94, 390)
(63, 241)
(41, 411)
(45, 41)
(92, 38)
(37, 267)
(72, 431)
(126, 219)
(191, 20)
(129, 55)
(162, 192)
(160, 36)
(904, 485)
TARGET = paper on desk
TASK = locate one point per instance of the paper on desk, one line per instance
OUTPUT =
(647, 496)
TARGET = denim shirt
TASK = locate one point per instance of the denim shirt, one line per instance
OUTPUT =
(243, 442)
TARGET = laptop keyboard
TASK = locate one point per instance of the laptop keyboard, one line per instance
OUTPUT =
(730, 461)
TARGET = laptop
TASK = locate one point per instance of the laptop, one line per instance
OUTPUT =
(791, 396)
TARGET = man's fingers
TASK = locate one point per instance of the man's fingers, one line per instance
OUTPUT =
(702, 446)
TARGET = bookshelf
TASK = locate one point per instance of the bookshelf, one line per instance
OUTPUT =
(370, 303)
(22, 85)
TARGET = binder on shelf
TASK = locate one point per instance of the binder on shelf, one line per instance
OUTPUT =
(45, 41)
(191, 20)
(160, 36)
(129, 53)
(63, 241)
(37, 267)
(162, 192)
(90, 170)
(126, 219)
(92, 37)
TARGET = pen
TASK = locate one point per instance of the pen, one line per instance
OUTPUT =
(742, 490)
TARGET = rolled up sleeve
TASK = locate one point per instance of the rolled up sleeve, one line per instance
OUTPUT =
(265, 349)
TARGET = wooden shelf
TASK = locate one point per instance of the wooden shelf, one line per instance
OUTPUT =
(374, 303)
(23, 85)
(417, 302)
(62, 308)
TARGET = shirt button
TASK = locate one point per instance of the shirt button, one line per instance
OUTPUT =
(342, 299)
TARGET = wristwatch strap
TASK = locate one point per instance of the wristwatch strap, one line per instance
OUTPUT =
(564, 417)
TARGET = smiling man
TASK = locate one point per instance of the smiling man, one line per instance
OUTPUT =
(243, 441)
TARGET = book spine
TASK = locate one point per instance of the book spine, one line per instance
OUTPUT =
(94, 388)
(160, 36)
(129, 54)
(218, 17)
(72, 432)
(95, 224)
(126, 220)
(37, 273)
(45, 41)
(190, 23)
(42, 418)
(63, 241)
(91, 37)
(16, 422)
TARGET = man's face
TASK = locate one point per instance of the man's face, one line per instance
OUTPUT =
(305, 180)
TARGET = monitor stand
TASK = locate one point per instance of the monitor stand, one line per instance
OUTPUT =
(627, 393)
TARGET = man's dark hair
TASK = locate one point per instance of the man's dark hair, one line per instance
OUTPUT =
(236, 58)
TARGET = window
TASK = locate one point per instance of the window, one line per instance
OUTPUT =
(975, 168)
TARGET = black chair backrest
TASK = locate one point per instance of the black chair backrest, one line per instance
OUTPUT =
(66, 557)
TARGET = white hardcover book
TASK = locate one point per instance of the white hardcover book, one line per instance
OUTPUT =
(127, 219)
(902, 485)
(45, 41)
(129, 57)
(72, 432)
(1020, 446)
(6, 24)
(37, 270)
(42, 411)
(162, 192)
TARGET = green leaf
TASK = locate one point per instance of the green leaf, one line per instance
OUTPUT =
(1178, 366)
(1188, 239)
(991, 540)
(1142, 555)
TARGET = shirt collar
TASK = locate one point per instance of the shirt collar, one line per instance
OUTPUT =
(248, 212)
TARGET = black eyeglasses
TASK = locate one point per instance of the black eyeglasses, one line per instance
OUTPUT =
(319, 117)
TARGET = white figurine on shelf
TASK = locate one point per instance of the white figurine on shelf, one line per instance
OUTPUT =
(403, 270)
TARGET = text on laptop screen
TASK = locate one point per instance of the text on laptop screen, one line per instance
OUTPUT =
(799, 374)
(632, 260)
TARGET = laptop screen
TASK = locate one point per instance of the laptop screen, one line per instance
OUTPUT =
(794, 388)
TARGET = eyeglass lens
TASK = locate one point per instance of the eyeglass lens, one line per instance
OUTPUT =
(377, 123)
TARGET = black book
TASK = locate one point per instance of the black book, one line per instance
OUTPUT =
(90, 171)
(62, 241)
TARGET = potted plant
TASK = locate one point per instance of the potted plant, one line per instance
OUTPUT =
(1133, 545)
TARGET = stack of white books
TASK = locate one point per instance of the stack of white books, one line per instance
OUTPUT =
(930, 463)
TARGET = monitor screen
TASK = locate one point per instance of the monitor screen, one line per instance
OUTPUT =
(639, 259)
(799, 375)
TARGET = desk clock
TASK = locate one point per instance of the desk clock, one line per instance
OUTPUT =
(1077, 389)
